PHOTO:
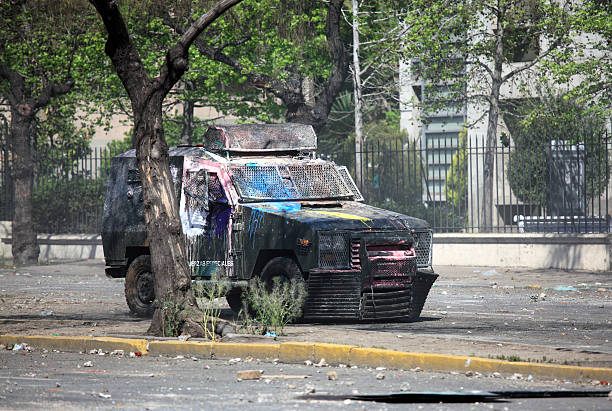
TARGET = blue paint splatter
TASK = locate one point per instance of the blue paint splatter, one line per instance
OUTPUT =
(282, 207)
(254, 223)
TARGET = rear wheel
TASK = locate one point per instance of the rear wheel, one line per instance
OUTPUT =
(139, 289)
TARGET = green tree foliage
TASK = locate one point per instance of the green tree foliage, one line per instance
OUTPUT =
(268, 60)
(468, 50)
(45, 55)
(588, 61)
(555, 118)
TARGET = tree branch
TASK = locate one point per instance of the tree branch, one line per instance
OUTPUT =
(533, 62)
(178, 56)
(16, 84)
(51, 91)
(120, 48)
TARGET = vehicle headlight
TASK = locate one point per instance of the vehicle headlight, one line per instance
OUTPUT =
(334, 250)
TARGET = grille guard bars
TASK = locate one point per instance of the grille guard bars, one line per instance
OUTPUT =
(382, 283)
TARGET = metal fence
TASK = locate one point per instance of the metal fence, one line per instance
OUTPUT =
(553, 187)
(541, 186)
(68, 191)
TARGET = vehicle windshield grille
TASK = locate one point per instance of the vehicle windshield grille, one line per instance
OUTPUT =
(256, 182)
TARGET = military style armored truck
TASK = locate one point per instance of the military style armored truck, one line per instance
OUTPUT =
(255, 201)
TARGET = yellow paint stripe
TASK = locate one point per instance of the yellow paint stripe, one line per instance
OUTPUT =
(343, 215)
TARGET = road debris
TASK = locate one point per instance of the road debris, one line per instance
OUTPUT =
(321, 363)
(534, 287)
(249, 375)
(380, 376)
(88, 364)
(22, 347)
(332, 376)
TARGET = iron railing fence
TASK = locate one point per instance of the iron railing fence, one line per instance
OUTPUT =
(542, 186)
(68, 191)
(545, 187)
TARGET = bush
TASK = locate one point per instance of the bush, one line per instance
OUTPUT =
(67, 206)
(559, 118)
(271, 310)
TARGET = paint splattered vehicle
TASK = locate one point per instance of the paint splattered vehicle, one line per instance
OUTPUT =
(255, 201)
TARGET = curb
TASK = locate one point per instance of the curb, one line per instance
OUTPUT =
(292, 352)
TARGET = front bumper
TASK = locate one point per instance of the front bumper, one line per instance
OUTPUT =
(388, 284)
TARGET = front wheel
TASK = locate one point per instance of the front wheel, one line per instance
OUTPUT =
(234, 299)
(286, 270)
(139, 289)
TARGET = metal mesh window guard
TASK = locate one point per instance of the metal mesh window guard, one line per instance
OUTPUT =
(289, 182)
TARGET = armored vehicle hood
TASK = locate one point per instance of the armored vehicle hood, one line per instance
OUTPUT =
(345, 215)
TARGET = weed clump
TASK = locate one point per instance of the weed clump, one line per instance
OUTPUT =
(269, 308)
(208, 300)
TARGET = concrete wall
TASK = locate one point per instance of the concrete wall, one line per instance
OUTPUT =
(56, 247)
(5, 249)
(592, 252)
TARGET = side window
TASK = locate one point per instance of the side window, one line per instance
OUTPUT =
(218, 206)
(194, 208)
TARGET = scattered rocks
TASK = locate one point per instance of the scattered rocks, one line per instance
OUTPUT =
(534, 287)
(332, 376)
(321, 363)
(249, 375)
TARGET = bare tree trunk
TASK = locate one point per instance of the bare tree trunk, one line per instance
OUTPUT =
(171, 275)
(25, 247)
(486, 210)
(357, 94)
(22, 145)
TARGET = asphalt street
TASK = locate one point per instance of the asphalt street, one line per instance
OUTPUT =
(535, 315)
(101, 380)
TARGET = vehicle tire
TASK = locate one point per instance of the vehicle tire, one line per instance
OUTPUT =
(282, 267)
(139, 288)
(234, 299)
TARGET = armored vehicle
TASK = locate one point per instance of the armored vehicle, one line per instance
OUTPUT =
(255, 201)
